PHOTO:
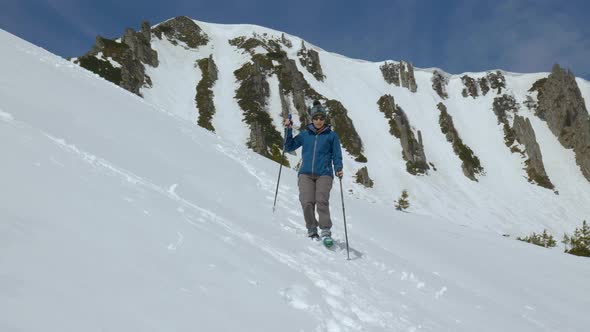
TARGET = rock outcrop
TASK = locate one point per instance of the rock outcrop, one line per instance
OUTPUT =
(270, 44)
(497, 81)
(470, 86)
(182, 29)
(484, 85)
(492, 81)
(399, 74)
(412, 148)
(310, 59)
(291, 81)
(252, 96)
(140, 44)
(561, 105)
(362, 177)
(344, 127)
(470, 165)
(502, 107)
(204, 97)
(505, 108)
(535, 168)
(285, 41)
(439, 84)
(293, 84)
(390, 73)
(123, 62)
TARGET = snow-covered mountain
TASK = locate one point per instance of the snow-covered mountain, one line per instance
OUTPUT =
(490, 150)
(118, 215)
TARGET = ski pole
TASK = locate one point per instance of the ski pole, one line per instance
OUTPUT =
(344, 215)
(281, 167)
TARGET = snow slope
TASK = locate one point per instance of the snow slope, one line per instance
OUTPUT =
(503, 201)
(118, 216)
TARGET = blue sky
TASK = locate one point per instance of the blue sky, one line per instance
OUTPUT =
(455, 35)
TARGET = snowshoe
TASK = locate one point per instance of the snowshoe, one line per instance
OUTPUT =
(328, 242)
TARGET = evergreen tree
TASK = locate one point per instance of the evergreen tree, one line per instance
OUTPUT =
(580, 241)
(544, 240)
(548, 240)
(566, 241)
(402, 203)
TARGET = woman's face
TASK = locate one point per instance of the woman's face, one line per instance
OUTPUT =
(318, 121)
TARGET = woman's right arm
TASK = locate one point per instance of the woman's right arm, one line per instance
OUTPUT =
(292, 143)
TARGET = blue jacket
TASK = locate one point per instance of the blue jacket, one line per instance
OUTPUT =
(320, 150)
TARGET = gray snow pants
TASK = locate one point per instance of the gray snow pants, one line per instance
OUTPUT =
(315, 191)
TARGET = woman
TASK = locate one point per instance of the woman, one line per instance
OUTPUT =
(321, 150)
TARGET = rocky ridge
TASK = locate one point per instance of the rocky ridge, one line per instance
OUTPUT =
(555, 99)
(561, 105)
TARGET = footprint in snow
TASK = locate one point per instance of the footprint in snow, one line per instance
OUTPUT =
(297, 297)
(5, 116)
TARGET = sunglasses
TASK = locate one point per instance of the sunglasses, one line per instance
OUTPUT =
(321, 118)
